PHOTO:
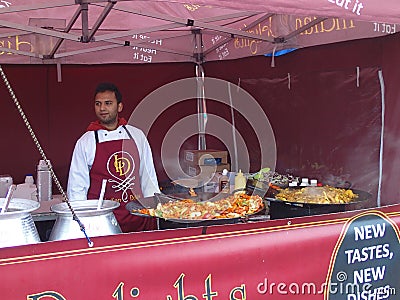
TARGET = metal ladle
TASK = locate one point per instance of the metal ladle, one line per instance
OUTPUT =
(102, 192)
(8, 198)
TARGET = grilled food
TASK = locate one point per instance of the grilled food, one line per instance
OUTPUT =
(317, 195)
(234, 206)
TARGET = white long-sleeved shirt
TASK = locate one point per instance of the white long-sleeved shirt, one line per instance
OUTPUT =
(83, 157)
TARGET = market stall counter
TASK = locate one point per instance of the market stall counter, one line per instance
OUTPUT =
(46, 216)
(314, 257)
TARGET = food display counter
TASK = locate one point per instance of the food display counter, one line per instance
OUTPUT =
(44, 218)
(347, 255)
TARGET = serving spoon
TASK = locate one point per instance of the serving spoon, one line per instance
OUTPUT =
(102, 192)
(10, 192)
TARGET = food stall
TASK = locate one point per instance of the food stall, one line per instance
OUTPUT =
(352, 254)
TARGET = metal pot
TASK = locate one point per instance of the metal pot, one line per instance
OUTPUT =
(97, 222)
(16, 224)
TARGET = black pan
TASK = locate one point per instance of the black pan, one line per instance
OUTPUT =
(151, 202)
(280, 209)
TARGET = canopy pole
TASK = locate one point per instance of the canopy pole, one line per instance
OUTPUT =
(235, 163)
(201, 101)
(201, 107)
(382, 84)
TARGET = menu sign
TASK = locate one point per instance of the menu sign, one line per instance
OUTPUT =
(366, 260)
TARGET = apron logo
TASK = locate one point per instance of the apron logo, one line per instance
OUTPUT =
(121, 166)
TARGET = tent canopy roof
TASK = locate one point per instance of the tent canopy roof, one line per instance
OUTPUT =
(129, 31)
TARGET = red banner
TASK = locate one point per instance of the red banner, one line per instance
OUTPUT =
(353, 255)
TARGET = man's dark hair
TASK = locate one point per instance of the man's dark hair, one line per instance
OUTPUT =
(107, 86)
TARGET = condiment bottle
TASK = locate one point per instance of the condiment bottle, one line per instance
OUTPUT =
(240, 181)
(224, 182)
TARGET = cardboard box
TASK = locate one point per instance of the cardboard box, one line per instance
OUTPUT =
(206, 171)
(205, 157)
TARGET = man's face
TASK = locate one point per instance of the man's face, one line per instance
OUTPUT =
(107, 109)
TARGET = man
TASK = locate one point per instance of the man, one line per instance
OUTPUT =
(120, 153)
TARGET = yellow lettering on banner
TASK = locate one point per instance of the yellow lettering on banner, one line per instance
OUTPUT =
(45, 295)
(119, 293)
(238, 291)
(329, 25)
(252, 44)
(180, 289)
(209, 294)
(18, 43)
(15, 43)
(306, 21)
(191, 7)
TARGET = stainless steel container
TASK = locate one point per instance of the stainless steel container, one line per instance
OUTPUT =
(16, 224)
(97, 222)
(44, 181)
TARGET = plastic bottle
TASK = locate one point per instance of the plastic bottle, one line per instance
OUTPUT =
(240, 181)
(29, 179)
(224, 182)
(44, 181)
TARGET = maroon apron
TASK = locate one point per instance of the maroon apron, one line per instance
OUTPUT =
(121, 169)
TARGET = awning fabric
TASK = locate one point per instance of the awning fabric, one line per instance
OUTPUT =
(100, 31)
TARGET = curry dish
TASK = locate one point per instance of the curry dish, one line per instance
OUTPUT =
(233, 206)
(317, 195)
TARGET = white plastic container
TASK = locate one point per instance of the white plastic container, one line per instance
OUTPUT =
(26, 190)
(304, 182)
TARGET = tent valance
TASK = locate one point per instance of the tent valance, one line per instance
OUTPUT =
(128, 31)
